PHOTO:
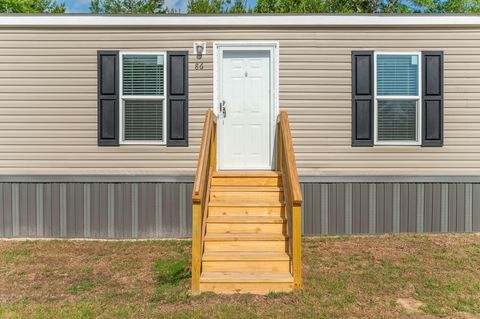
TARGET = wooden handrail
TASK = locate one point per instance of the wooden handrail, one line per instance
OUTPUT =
(210, 122)
(286, 164)
(200, 195)
(289, 156)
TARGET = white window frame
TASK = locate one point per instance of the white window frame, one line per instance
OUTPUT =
(124, 98)
(418, 98)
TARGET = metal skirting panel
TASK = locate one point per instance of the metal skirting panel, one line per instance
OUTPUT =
(95, 210)
(163, 209)
(375, 208)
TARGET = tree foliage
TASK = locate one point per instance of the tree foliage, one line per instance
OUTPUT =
(127, 6)
(217, 6)
(285, 6)
(238, 6)
(31, 6)
(205, 6)
(367, 6)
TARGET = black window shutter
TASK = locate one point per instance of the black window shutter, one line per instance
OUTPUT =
(177, 98)
(362, 98)
(108, 98)
(432, 98)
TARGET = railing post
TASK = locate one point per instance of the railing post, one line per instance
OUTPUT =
(286, 164)
(213, 149)
(297, 245)
(206, 164)
(279, 147)
(196, 245)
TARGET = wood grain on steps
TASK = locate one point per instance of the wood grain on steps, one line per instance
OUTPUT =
(247, 245)
(246, 219)
(246, 174)
(246, 224)
(245, 282)
(234, 197)
(247, 179)
(247, 210)
(245, 237)
(265, 261)
(259, 203)
(243, 188)
(246, 287)
(241, 277)
(245, 256)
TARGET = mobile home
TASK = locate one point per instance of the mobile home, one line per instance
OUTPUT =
(142, 126)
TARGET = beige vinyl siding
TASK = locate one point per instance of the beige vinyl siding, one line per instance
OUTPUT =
(48, 99)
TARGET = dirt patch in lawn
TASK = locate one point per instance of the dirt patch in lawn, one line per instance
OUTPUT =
(410, 305)
(390, 276)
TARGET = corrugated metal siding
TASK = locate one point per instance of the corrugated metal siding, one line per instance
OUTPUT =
(163, 210)
(374, 208)
(48, 99)
(95, 210)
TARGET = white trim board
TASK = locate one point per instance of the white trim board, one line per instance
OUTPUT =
(74, 20)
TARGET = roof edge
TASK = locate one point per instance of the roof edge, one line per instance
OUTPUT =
(372, 20)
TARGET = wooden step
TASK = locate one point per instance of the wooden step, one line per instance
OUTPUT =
(246, 261)
(246, 219)
(245, 237)
(246, 242)
(247, 174)
(243, 282)
(245, 256)
(264, 178)
(253, 245)
(246, 224)
(223, 209)
(231, 276)
(243, 188)
(242, 204)
(243, 196)
(217, 228)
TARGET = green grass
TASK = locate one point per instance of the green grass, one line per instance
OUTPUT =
(171, 276)
(82, 285)
(361, 277)
(16, 255)
(171, 271)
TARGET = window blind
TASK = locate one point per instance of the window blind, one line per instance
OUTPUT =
(143, 120)
(397, 120)
(143, 75)
(397, 75)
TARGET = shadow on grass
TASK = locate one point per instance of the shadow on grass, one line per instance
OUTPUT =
(171, 281)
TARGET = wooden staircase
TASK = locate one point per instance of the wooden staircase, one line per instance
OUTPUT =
(243, 238)
(246, 242)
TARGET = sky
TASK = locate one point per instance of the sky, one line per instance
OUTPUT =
(81, 6)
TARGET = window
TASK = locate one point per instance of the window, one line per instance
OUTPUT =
(397, 98)
(143, 90)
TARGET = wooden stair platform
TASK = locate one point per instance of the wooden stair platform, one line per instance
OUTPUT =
(245, 256)
(246, 241)
(246, 282)
(246, 219)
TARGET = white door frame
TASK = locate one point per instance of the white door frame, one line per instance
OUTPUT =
(273, 47)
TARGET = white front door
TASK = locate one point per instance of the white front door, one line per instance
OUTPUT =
(245, 110)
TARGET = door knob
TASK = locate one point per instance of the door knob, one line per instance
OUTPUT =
(222, 109)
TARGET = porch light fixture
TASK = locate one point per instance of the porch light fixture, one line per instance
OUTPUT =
(200, 48)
